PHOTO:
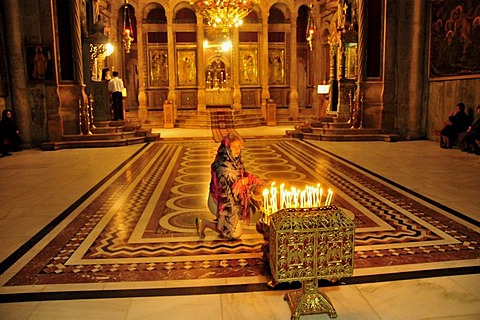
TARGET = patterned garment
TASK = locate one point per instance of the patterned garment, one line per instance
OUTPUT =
(229, 194)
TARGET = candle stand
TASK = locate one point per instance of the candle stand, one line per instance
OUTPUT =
(307, 245)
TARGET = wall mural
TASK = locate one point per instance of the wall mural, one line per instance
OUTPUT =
(455, 38)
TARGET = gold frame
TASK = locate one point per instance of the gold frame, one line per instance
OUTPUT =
(248, 66)
(158, 67)
(351, 60)
(276, 66)
(187, 67)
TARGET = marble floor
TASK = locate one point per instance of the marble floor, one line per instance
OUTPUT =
(37, 187)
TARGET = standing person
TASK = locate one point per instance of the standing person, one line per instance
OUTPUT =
(457, 122)
(106, 74)
(231, 191)
(115, 87)
(473, 134)
(10, 139)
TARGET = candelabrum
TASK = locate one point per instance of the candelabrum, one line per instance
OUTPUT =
(306, 245)
(80, 122)
(351, 106)
(90, 109)
(83, 118)
(361, 110)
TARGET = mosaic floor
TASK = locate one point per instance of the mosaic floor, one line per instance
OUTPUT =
(138, 225)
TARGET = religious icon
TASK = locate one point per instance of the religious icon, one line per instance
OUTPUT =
(276, 73)
(186, 66)
(158, 68)
(248, 67)
(40, 66)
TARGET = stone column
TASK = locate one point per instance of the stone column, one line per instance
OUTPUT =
(16, 62)
(346, 87)
(315, 54)
(78, 67)
(361, 56)
(171, 61)
(237, 95)
(333, 73)
(201, 95)
(263, 64)
(416, 87)
(293, 68)
(142, 66)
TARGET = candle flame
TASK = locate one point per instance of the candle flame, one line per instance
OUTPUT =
(309, 197)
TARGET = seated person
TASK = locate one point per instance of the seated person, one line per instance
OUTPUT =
(457, 122)
(231, 191)
(10, 139)
(473, 133)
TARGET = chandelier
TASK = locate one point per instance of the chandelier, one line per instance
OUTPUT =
(311, 28)
(224, 15)
(127, 28)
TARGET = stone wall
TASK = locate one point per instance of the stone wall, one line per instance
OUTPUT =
(444, 95)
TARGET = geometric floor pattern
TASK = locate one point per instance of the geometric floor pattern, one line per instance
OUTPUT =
(138, 225)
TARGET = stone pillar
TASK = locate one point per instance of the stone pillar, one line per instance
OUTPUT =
(346, 87)
(416, 87)
(142, 65)
(332, 75)
(201, 94)
(361, 57)
(78, 67)
(16, 62)
(263, 64)
(293, 68)
(237, 94)
(317, 102)
(171, 61)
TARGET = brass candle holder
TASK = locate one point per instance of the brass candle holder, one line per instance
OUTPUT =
(307, 245)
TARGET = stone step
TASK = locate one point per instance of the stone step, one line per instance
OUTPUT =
(242, 119)
(335, 125)
(344, 131)
(107, 134)
(347, 137)
(111, 123)
(106, 130)
(100, 136)
(50, 146)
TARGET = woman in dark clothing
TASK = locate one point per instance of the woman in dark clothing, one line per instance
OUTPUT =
(9, 134)
(457, 122)
(231, 191)
(473, 134)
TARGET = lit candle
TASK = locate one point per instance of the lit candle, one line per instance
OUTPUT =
(282, 196)
(312, 196)
(265, 201)
(320, 197)
(296, 195)
(317, 196)
(329, 197)
(273, 198)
